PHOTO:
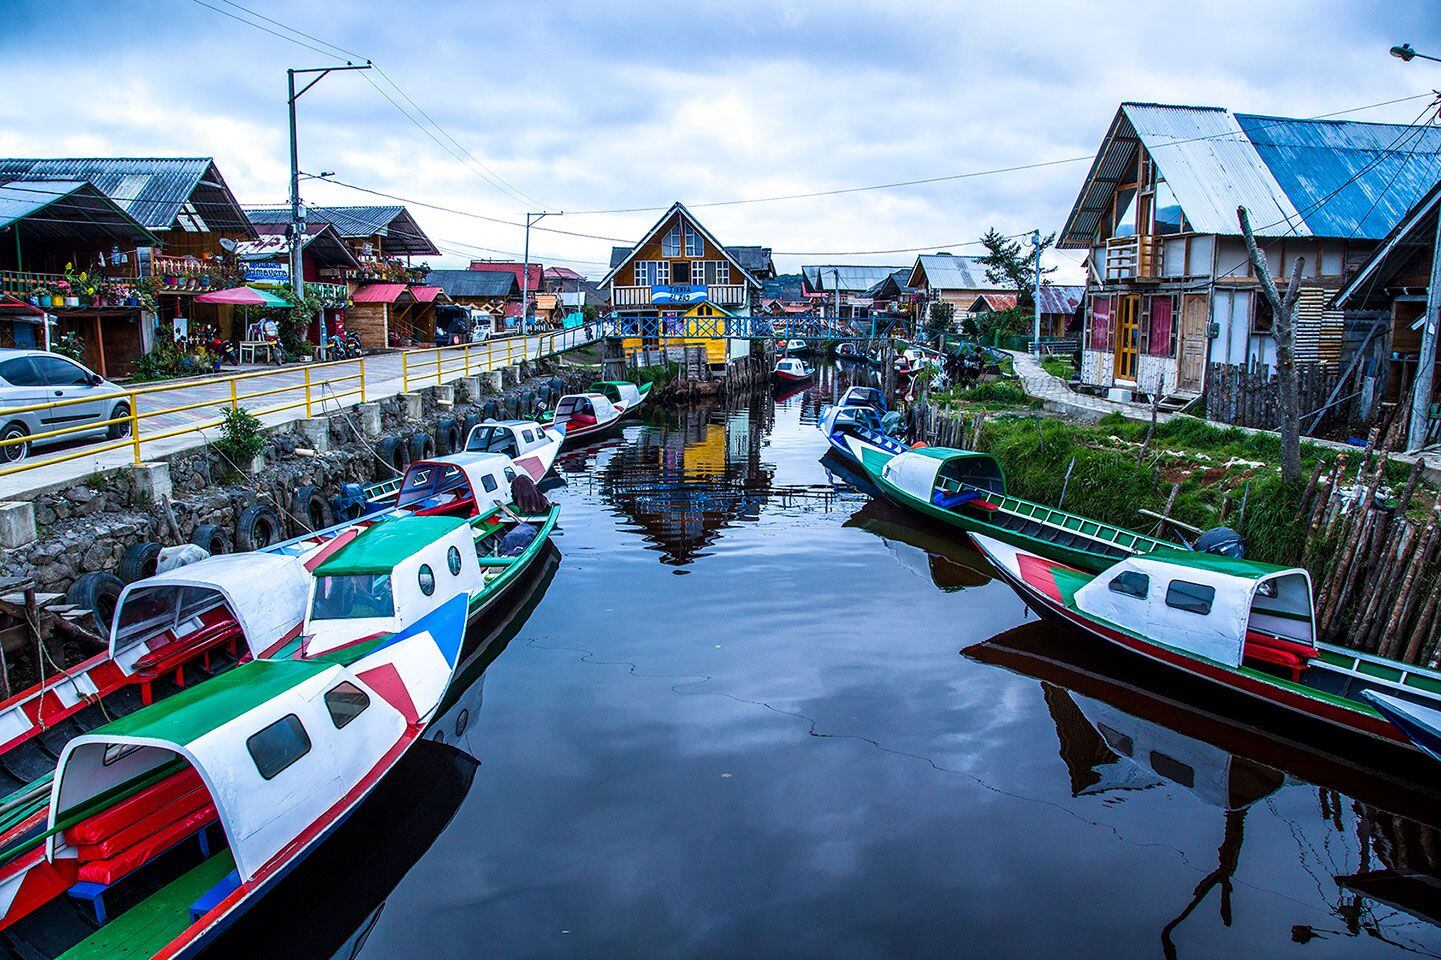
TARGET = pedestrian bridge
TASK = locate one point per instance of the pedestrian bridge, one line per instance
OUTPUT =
(691, 326)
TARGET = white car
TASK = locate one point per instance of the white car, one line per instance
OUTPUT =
(29, 377)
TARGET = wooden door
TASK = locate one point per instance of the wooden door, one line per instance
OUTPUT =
(1195, 314)
(1128, 332)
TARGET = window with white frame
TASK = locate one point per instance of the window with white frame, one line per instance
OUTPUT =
(717, 272)
(650, 273)
(670, 243)
(694, 245)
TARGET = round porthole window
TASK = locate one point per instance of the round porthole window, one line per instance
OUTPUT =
(452, 560)
(427, 579)
(462, 721)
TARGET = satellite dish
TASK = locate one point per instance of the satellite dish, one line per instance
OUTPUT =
(228, 245)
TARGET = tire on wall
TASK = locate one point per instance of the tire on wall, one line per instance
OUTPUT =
(258, 526)
(98, 592)
(447, 436)
(422, 446)
(138, 561)
(395, 453)
(212, 537)
(311, 509)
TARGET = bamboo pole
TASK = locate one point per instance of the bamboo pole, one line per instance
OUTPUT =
(1406, 595)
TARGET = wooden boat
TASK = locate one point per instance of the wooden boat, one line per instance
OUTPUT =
(794, 347)
(583, 415)
(622, 394)
(848, 351)
(1421, 724)
(858, 396)
(792, 370)
(1244, 626)
(852, 429)
(260, 765)
(965, 489)
(532, 447)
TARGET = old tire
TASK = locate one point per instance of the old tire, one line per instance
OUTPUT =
(258, 526)
(98, 592)
(448, 438)
(422, 447)
(311, 509)
(138, 562)
(395, 453)
(212, 537)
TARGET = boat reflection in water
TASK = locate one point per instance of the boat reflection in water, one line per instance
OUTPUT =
(948, 563)
(333, 900)
(1122, 730)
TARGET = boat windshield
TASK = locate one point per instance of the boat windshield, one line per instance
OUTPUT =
(574, 406)
(148, 610)
(352, 597)
(493, 440)
(860, 417)
(430, 480)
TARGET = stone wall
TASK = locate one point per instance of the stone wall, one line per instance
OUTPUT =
(90, 525)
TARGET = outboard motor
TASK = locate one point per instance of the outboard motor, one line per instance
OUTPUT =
(1222, 541)
(351, 503)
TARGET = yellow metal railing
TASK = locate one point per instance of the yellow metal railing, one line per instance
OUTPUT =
(437, 365)
(319, 382)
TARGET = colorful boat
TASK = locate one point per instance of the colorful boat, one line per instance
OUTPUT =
(1244, 626)
(583, 415)
(792, 370)
(848, 350)
(1420, 723)
(532, 447)
(853, 429)
(793, 347)
(965, 489)
(258, 766)
(622, 394)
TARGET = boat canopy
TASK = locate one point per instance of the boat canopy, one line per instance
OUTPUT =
(920, 472)
(276, 743)
(595, 405)
(482, 477)
(791, 365)
(617, 391)
(863, 397)
(510, 437)
(1202, 603)
(265, 592)
(856, 416)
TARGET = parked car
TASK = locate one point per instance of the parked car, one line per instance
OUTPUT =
(30, 377)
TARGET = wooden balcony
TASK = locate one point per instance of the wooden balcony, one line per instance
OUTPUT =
(1133, 258)
(332, 294)
(186, 274)
(720, 294)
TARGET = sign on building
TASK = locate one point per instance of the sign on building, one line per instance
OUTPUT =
(267, 274)
(678, 293)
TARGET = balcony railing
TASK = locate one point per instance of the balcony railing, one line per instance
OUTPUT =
(720, 294)
(1133, 258)
(51, 291)
(186, 274)
(333, 294)
(378, 271)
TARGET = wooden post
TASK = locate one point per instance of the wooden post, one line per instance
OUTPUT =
(1284, 313)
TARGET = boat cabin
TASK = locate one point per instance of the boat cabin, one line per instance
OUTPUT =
(945, 477)
(163, 622)
(622, 394)
(512, 438)
(838, 418)
(792, 367)
(863, 397)
(461, 485)
(581, 410)
(390, 576)
(1227, 610)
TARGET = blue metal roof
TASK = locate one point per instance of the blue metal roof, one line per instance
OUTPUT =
(1393, 166)
(159, 192)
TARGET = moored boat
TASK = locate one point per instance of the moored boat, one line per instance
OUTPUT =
(848, 350)
(1245, 626)
(623, 395)
(792, 370)
(583, 415)
(852, 429)
(967, 490)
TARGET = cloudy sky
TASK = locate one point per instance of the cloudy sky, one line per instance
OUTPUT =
(603, 106)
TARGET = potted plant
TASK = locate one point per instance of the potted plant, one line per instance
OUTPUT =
(40, 296)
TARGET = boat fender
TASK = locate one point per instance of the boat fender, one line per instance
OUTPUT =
(310, 509)
(422, 446)
(394, 453)
(213, 537)
(98, 592)
(139, 561)
(919, 445)
(258, 526)
(1222, 541)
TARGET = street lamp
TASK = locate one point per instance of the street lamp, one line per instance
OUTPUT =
(530, 218)
(1036, 296)
(1426, 358)
(297, 216)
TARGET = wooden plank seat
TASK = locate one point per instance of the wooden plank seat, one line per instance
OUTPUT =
(171, 657)
(211, 898)
(1290, 655)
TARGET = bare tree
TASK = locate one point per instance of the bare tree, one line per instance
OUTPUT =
(1283, 309)
(1154, 387)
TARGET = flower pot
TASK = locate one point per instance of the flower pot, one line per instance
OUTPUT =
(36, 298)
(57, 301)
(132, 302)
(72, 301)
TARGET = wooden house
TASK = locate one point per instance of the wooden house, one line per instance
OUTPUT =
(1172, 303)
(830, 286)
(957, 280)
(492, 292)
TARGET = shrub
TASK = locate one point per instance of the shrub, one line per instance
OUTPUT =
(240, 439)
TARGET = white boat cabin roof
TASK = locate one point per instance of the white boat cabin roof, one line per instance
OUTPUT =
(265, 592)
(791, 365)
(1202, 603)
(485, 477)
(509, 437)
(596, 404)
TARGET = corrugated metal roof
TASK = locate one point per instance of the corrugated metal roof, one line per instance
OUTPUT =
(849, 278)
(402, 235)
(67, 209)
(425, 293)
(1376, 171)
(321, 242)
(378, 293)
(946, 271)
(1410, 240)
(474, 283)
(619, 255)
(756, 260)
(1061, 298)
(155, 191)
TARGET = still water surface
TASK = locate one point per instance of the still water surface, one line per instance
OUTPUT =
(754, 714)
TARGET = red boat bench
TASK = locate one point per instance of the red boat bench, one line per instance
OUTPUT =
(1290, 655)
(172, 657)
(123, 838)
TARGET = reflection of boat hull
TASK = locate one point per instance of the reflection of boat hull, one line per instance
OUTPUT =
(952, 565)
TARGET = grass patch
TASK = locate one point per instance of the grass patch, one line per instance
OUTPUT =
(659, 375)
(1059, 367)
(992, 395)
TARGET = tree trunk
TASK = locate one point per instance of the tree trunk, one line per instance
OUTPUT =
(1283, 310)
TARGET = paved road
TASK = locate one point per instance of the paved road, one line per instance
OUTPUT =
(208, 398)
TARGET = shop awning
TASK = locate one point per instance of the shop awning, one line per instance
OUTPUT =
(378, 293)
(245, 297)
(425, 294)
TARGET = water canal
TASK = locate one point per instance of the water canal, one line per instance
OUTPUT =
(755, 714)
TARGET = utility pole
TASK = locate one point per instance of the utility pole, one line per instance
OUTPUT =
(297, 215)
(525, 268)
(1036, 296)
